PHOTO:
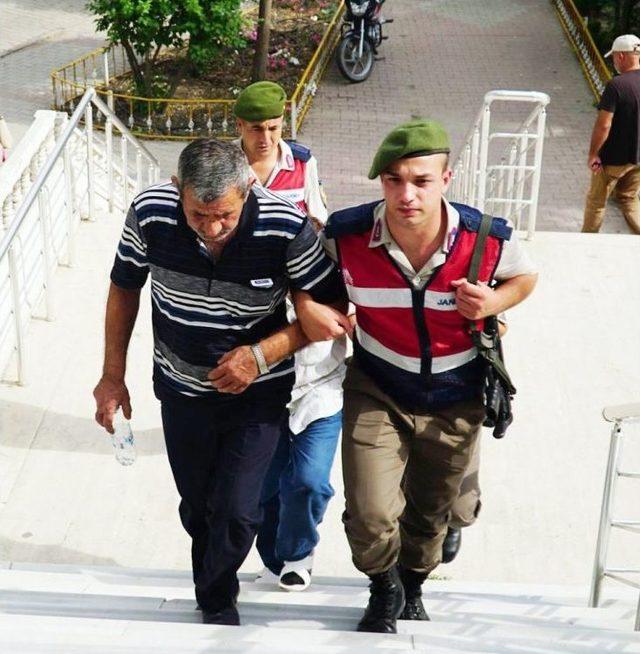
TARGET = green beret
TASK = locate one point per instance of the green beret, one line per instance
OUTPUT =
(417, 138)
(261, 101)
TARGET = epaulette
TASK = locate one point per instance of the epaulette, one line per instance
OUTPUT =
(300, 152)
(353, 220)
(471, 219)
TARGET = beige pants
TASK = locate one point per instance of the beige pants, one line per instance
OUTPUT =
(467, 506)
(626, 182)
(402, 474)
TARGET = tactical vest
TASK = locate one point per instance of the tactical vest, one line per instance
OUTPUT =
(413, 342)
(289, 184)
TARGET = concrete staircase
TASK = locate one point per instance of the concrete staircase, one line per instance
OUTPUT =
(46, 608)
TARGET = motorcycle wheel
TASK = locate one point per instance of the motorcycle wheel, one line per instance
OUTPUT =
(354, 68)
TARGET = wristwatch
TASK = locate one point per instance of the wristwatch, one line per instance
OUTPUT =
(258, 355)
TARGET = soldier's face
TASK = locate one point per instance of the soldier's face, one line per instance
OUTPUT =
(214, 222)
(259, 140)
(413, 189)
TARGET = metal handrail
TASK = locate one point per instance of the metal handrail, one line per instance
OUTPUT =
(503, 183)
(618, 415)
(89, 97)
(593, 65)
(10, 241)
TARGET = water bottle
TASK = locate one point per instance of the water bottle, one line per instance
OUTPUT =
(122, 439)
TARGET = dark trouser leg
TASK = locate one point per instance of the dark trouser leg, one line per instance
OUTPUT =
(245, 451)
(191, 448)
(270, 504)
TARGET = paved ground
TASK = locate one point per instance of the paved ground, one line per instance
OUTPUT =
(442, 56)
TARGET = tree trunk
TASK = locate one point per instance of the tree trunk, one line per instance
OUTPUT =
(262, 44)
(138, 74)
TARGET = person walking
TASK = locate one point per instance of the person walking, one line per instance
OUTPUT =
(222, 257)
(297, 488)
(413, 391)
(614, 152)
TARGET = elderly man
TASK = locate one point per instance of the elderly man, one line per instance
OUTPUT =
(614, 153)
(413, 391)
(297, 488)
(222, 257)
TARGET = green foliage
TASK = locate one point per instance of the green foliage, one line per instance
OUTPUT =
(607, 19)
(143, 27)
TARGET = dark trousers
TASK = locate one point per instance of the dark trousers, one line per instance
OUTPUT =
(219, 457)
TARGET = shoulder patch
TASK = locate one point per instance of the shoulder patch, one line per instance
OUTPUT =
(354, 220)
(471, 219)
(300, 152)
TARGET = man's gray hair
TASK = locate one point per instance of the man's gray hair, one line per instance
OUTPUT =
(211, 168)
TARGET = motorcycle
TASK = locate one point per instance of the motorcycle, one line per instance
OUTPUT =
(361, 36)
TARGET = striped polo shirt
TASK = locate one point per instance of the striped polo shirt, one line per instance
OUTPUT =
(202, 308)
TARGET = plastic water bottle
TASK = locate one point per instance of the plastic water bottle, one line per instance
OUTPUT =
(122, 439)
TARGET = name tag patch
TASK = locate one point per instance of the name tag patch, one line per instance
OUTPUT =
(266, 282)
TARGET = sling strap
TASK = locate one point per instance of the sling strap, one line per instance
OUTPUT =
(487, 344)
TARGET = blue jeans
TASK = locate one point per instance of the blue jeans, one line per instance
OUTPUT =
(296, 492)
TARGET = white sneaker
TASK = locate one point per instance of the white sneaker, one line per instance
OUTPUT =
(265, 576)
(296, 575)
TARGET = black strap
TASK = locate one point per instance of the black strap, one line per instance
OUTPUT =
(478, 250)
(488, 350)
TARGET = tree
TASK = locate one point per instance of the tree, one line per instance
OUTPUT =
(144, 27)
(261, 55)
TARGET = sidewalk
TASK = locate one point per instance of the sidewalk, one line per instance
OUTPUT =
(442, 56)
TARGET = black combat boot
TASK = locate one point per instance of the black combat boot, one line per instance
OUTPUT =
(412, 583)
(385, 603)
(451, 544)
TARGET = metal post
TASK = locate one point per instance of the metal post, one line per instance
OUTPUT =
(605, 514)
(473, 170)
(138, 170)
(636, 627)
(125, 173)
(484, 153)
(68, 192)
(466, 172)
(520, 174)
(105, 67)
(45, 230)
(294, 118)
(108, 136)
(91, 186)
(510, 189)
(17, 315)
(535, 180)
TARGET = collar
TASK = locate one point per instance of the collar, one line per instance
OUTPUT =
(380, 234)
(284, 160)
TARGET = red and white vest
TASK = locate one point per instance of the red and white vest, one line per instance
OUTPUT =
(414, 343)
(289, 182)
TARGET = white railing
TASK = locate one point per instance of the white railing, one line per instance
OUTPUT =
(498, 169)
(619, 415)
(60, 173)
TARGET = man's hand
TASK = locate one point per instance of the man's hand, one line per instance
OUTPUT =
(322, 322)
(474, 301)
(594, 163)
(235, 372)
(110, 394)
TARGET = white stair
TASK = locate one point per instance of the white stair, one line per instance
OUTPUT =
(46, 608)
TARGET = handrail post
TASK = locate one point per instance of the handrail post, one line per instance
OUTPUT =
(108, 135)
(537, 173)
(604, 528)
(125, 172)
(105, 67)
(68, 200)
(138, 171)
(484, 153)
(45, 230)
(88, 119)
(17, 315)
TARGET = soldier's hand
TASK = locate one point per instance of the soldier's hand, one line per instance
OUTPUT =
(235, 372)
(474, 301)
(110, 394)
